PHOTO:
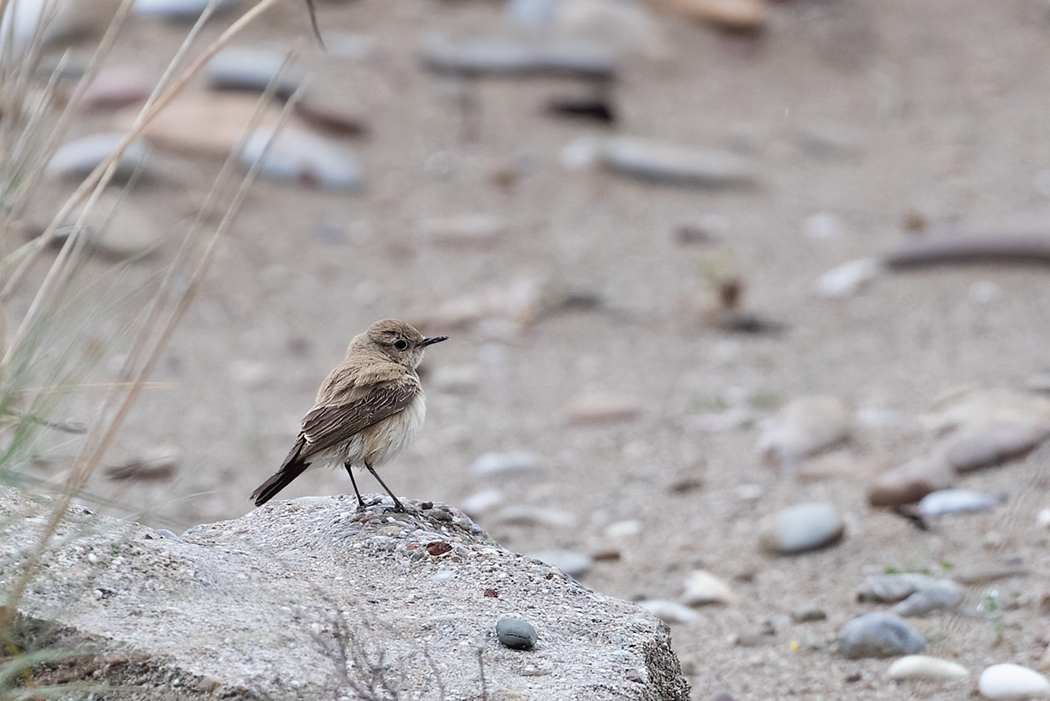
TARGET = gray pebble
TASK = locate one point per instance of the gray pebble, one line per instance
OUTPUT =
(516, 633)
(941, 595)
(879, 635)
(77, 158)
(504, 55)
(173, 10)
(251, 70)
(918, 594)
(986, 446)
(801, 528)
(675, 163)
(957, 501)
(305, 158)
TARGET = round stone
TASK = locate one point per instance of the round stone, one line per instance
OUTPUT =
(801, 528)
(879, 635)
(1012, 681)
(516, 633)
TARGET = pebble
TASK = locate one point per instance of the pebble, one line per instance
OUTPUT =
(993, 444)
(1042, 519)
(910, 482)
(304, 158)
(252, 70)
(1012, 681)
(805, 426)
(894, 587)
(597, 408)
(925, 668)
(332, 115)
(945, 502)
(848, 278)
(975, 408)
(117, 86)
(736, 15)
(879, 634)
(668, 162)
(79, 157)
(702, 588)
(940, 595)
(479, 503)
(516, 633)
(621, 530)
(809, 614)
(505, 55)
(173, 10)
(120, 228)
(802, 527)
(670, 611)
(498, 463)
(209, 124)
(467, 230)
(570, 562)
(528, 515)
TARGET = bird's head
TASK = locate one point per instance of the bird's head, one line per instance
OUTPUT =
(400, 342)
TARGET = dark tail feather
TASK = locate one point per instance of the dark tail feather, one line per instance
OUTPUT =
(293, 467)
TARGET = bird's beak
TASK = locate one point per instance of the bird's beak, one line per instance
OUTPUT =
(432, 339)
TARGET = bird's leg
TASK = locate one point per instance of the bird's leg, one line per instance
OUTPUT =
(350, 471)
(398, 506)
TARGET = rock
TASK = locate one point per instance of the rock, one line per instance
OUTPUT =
(895, 587)
(1023, 239)
(117, 86)
(79, 157)
(879, 635)
(993, 444)
(119, 228)
(252, 70)
(227, 601)
(805, 426)
(925, 668)
(333, 115)
(978, 408)
(516, 56)
(516, 633)
(497, 464)
(666, 162)
(670, 611)
(479, 503)
(622, 530)
(174, 10)
(702, 587)
(1012, 681)
(209, 124)
(304, 158)
(473, 230)
(528, 515)
(908, 483)
(939, 595)
(736, 15)
(595, 408)
(847, 278)
(809, 614)
(802, 527)
(570, 562)
(957, 501)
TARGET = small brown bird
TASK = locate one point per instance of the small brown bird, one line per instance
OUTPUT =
(367, 410)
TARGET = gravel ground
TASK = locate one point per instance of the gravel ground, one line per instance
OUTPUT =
(935, 109)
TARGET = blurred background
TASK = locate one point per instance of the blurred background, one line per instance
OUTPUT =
(698, 260)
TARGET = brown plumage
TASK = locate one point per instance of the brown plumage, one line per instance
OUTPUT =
(367, 410)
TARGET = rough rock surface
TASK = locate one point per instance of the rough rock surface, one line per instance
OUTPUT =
(310, 599)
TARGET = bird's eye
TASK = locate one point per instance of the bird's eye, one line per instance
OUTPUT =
(401, 344)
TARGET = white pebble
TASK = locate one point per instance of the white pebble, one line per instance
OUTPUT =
(957, 501)
(1012, 681)
(913, 667)
(670, 611)
(1042, 519)
(847, 278)
(702, 587)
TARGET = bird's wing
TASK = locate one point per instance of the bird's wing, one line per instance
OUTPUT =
(328, 425)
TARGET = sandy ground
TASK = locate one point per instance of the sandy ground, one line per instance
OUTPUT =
(945, 107)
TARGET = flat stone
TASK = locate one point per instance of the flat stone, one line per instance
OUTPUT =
(977, 407)
(910, 482)
(118, 86)
(993, 444)
(945, 502)
(209, 124)
(879, 635)
(801, 528)
(227, 602)
(1012, 681)
(333, 115)
(893, 587)
(79, 157)
(304, 158)
(516, 56)
(925, 668)
(736, 15)
(805, 426)
(702, 588)
(252, 70)
(667, 162)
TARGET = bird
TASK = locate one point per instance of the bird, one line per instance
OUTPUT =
(367, 410)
